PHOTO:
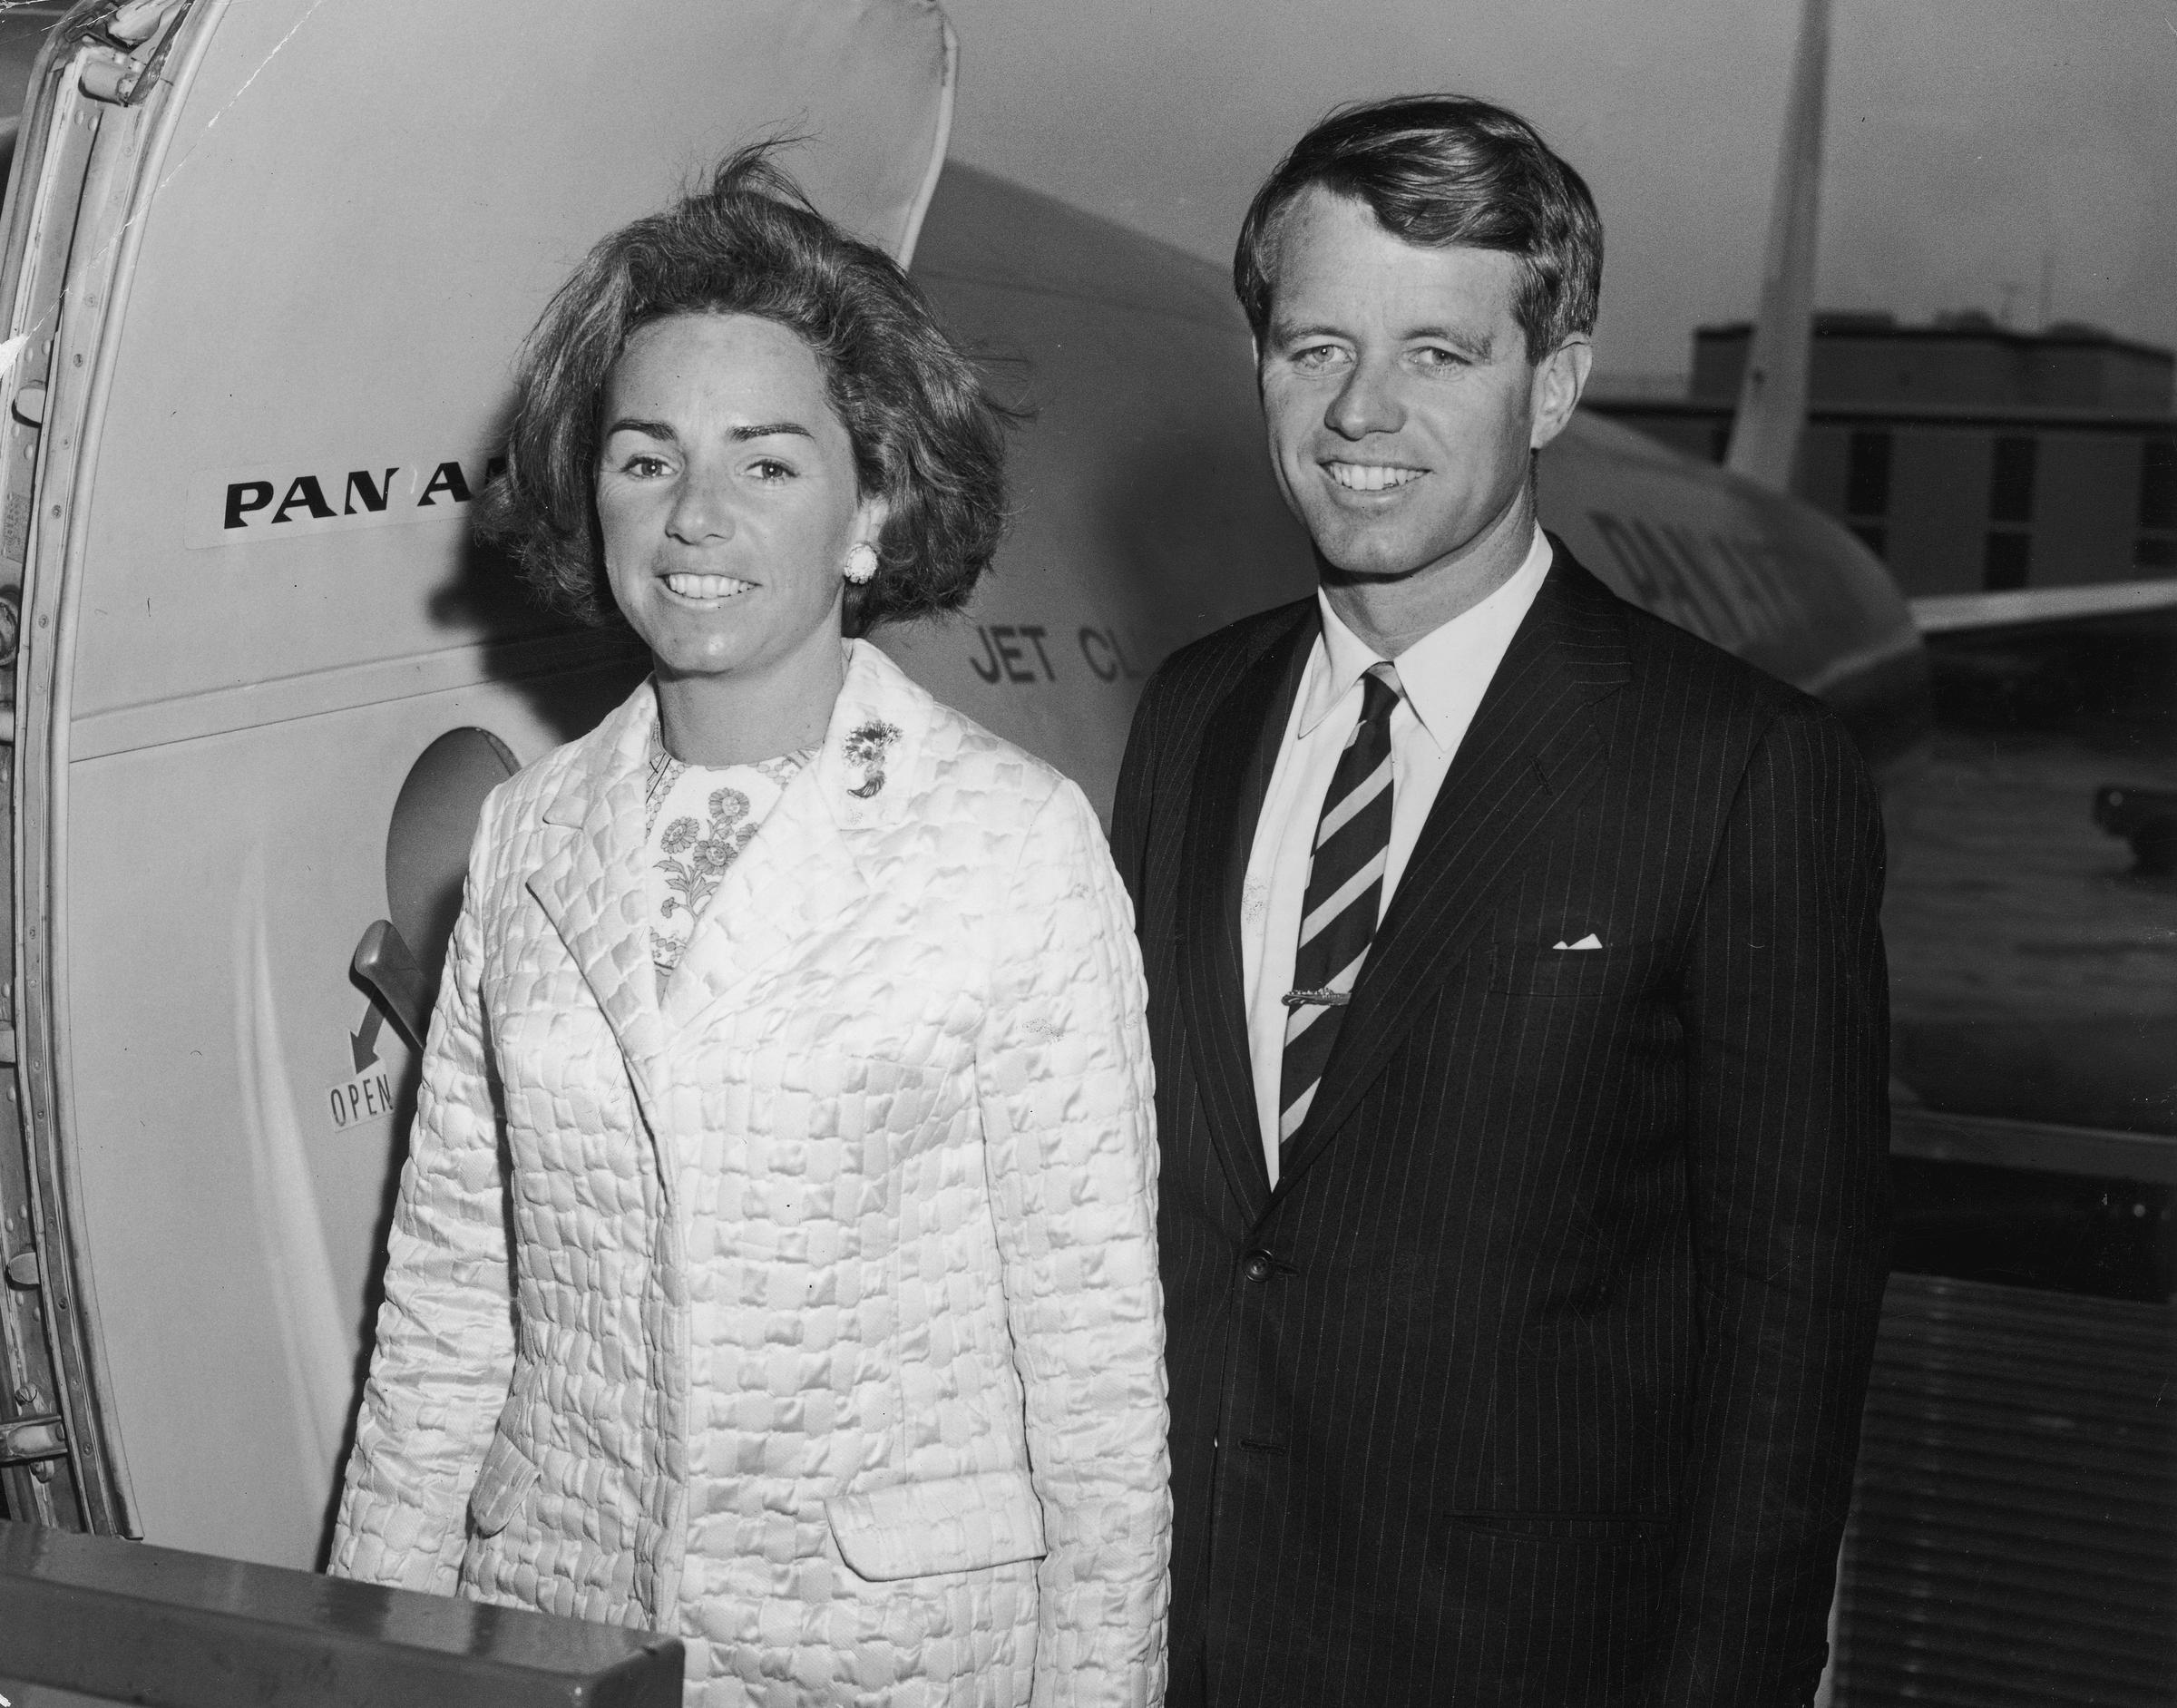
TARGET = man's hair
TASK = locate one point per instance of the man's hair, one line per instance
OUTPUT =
(1438, 170)
(927, 435)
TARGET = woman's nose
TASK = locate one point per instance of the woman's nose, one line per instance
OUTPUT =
(1367, 403)
(702, 509)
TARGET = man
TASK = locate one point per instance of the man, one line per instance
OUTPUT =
(1520, 1010)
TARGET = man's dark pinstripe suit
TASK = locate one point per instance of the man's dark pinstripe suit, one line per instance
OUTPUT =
(1538, 1378)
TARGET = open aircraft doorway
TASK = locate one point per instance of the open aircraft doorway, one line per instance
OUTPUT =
(236, 497)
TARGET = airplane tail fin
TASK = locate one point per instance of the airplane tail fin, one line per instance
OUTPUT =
(948, 86)
(1772, 393)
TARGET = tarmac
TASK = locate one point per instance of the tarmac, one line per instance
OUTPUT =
(2034, 969)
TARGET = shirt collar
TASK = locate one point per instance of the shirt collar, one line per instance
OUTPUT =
(1430, 670)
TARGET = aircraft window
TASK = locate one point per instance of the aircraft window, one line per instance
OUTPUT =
(2011, 481)
(2007, 561)
(2158, 483)
(1867, 477)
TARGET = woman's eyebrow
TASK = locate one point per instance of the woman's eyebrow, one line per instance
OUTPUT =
(663, 430)
(651, 429)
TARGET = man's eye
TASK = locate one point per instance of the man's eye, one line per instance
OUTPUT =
(1315, 357)
(1434, 356)
(771, 470)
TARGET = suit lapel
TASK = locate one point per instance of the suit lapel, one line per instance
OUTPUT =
(1233, 767)
(1531, 754)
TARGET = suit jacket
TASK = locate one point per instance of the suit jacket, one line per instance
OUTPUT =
(808, 1308)
(1538, 1378)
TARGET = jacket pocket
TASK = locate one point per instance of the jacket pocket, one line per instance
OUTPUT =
(953, 1524)
(1539, 969)
(504, 1480)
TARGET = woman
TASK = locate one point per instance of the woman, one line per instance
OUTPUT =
(774, 1262)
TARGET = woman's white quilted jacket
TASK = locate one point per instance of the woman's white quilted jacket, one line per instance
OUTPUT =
(830, 1336)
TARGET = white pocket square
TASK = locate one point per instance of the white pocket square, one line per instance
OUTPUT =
(1589, 942)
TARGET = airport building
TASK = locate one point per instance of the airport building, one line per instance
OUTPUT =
(1969, 457)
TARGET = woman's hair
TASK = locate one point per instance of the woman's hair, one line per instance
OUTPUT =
(927, 435)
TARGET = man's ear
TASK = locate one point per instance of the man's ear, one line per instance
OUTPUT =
(1559, 379)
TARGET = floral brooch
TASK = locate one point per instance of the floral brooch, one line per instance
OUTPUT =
(866, 746)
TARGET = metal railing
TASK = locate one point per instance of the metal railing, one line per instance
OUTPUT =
(2102, 1153)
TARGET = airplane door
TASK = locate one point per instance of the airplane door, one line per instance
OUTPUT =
(270, 260)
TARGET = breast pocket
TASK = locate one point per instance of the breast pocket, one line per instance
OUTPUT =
(1533, 969)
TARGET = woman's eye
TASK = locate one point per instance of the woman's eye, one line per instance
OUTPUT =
(643, 465)
(770, 469)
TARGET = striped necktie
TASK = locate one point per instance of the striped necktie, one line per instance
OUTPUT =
(1345, 891)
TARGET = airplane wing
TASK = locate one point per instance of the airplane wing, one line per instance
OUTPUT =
(2030, 606)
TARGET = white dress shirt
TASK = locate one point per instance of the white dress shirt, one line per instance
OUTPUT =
(1442, 678)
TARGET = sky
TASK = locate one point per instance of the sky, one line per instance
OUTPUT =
(1971, 144)
(1975, 147)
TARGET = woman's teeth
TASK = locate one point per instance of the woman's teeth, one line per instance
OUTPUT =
(707, 586)
(1371, 477)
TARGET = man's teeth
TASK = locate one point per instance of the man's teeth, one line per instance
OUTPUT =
(707, 586)
(1371, 477)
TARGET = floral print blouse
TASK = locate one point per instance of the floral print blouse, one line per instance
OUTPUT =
(698, 819)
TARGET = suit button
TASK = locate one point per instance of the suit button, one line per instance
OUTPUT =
(1257, 1267)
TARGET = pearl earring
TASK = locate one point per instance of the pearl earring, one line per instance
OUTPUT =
(861, 564)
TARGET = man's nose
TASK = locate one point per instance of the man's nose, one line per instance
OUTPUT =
(1367, 403)
(702, 509)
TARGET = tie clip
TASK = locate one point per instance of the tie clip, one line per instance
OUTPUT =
(1323, 998)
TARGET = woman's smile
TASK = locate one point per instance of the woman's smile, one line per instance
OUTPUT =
(707, 589)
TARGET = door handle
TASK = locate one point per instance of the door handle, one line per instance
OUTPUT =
(385, 967)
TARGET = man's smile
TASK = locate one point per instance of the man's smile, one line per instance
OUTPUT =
(1371, 477)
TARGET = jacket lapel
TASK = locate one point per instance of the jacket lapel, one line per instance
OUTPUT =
(801, 871)
(590, 882)
(1532, 753)
(1232, 774)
